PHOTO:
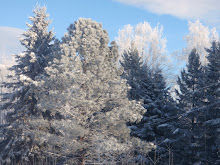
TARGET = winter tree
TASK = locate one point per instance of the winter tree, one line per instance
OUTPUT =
(85, 86)
(190, 97)
(190, 83)
(212, 109)
(200, 37)
(149, 85)
(199, 97)
(17, 136)
(135, 75)
(149, 42)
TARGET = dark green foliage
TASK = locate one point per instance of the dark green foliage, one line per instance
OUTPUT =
(149, 86)
(137, 76)
(190, 96)
(190, 83)
(213, 80)
(212, 109)
(199, 100)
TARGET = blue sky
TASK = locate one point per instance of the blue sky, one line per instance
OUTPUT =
(113, 14)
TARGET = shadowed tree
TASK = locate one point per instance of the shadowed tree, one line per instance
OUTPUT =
(149, 86)
(212, 111)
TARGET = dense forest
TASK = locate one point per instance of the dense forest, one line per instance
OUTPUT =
(85, 100)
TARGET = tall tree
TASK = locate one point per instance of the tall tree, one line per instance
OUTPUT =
(16, 143)
(213, 78)
(212, 110)
(137, 77)
(149, 85)
(85, 86)
(191, 98)
(190, 83)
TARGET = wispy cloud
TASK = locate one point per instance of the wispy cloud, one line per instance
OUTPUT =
(206, 10)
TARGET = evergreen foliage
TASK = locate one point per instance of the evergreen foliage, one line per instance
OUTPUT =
(17, 136)
(68, 102)
(135, 75)
(149, 85)
(190, 97)
(212, 110)
(199, 99)
(190, 83)
(85, 86)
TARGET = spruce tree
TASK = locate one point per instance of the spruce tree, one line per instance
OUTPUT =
(199, 97)
(212, 109)
(150, 87)
(212, 79)
(137, 76)
(16, 138)
(191, 98)
(190, 83)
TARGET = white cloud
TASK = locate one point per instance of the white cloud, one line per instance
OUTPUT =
(9, 43)
(206, 10)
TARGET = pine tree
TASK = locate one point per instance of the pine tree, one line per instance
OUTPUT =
(213, 77)
(212, 109)
(136, 77)
(191, 97)
(87, 82)
(150, 86)
(190, 83)
(17, 136)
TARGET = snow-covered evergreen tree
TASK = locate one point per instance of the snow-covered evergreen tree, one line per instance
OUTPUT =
(189, 97)
(159, 122)
(139, 79)
(192, 100)
(212, 109)
(17, 136)
(213, 78)
(85, 86)
(190, 83)
(149, 85)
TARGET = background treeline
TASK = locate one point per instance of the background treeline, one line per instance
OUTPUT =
(81, 100)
